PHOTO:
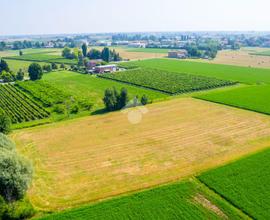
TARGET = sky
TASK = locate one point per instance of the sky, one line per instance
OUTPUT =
(19, 17)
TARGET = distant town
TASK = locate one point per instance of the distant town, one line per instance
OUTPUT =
(196, 45)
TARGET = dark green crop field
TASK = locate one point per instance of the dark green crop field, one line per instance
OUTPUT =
(165, 81)
(245, 183)
(235, 73)
(43, 57)
(255, 98)
(18, 106)
(175, 201)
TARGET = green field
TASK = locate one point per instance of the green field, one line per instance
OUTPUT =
(18, 106)
(175, 201)
(148, 50)
(255, 98)
(244, 183)
(235, 73)
(92, 88)
(16, 65)
(165, 81)
(48, 56)
(262, 53)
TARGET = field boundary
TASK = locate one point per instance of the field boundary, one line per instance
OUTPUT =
(230, 105)
(34, 60)
(224, 198)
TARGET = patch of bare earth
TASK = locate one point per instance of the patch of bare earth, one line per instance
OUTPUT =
(199, 198)
(241, 58)
(96, 157)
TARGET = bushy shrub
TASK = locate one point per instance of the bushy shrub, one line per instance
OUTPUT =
(21, 209)
(74, 109)
(85, 105)
(59, 109)
(5, 122)
(15, 176)
(6, 143)
(144, 100)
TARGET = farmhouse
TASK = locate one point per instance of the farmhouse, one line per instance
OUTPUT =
(180, 54)
(106, 68)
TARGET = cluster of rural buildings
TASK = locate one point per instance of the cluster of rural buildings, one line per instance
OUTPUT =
(93, 66)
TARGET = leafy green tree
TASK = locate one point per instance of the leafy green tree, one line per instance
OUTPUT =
(7, 76)
(54, 66)
(15, 176)
(35, 71)
(84, 49)
(105, 54)
(123, 99)
(20, 75)
(5, 122)
(110, 100)
(66, 52)
(80, 59)
(144, 100)
(4, 66)
(47, 68)
(94, 54)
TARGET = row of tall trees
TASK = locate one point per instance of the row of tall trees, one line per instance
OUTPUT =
(106, 54)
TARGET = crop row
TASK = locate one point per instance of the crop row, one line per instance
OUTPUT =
(168, 82)
(43, 92)
(18, 106)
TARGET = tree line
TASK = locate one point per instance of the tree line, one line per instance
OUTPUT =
(105, 54)
(115, 100)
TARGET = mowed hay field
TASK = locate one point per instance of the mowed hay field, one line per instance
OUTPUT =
(96, 157)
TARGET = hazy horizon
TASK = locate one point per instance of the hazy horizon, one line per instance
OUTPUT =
(30, 17)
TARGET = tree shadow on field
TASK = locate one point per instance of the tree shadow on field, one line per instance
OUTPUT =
(99, 112)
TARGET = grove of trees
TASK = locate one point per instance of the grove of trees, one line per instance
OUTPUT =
(114, 100)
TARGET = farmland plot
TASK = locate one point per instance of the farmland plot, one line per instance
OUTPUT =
(245, 183)
(167, 82)
(248, 75)
(255, 98)
(175, 201)
(84, 160)
(18, 106)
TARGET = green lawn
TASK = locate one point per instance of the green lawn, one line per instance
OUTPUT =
(255, 98)
(241, 74)
(92, 88)
(175, 201)
(245, 183)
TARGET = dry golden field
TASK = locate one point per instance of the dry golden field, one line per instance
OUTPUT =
(243, 58)
(92, 158)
